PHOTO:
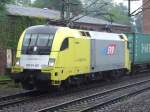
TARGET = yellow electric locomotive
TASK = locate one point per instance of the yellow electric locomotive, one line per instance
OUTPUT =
(51, 56)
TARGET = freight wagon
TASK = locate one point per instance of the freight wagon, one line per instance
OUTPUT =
(139, 47)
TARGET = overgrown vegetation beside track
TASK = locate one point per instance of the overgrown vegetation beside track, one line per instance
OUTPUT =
(8, 85)
(4, 77)
(12, 27)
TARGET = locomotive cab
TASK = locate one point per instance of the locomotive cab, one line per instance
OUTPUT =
(33, 54)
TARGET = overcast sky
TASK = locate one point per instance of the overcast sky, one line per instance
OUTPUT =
(134, 4)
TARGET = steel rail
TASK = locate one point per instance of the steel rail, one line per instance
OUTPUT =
(17, 98)
(64, 105)
(114, 100)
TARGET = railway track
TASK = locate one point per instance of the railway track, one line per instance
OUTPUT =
(100, 99)
(21, 100)
(11, 100)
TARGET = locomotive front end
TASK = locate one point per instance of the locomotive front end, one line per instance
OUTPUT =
(33, 54)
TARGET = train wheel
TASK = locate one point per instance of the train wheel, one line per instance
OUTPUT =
(115, 74)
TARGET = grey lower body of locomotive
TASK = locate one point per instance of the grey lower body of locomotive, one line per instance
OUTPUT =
(101, 60)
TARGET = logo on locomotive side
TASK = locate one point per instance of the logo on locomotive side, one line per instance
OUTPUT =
(109, 50)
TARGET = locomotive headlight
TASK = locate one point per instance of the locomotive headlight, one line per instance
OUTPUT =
(51, 62)
(17, 62)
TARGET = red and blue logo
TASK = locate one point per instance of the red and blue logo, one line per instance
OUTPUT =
(109, 50)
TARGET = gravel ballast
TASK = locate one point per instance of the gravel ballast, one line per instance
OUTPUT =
(51, 101)
(139, 103)
(9, 89)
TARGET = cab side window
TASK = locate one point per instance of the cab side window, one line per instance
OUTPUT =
(65, 44)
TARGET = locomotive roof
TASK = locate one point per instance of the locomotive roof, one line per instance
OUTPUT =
(93, 34)
(42, 29)
(105, 36)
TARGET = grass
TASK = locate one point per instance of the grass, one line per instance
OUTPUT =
(9, 85)
(4, 77)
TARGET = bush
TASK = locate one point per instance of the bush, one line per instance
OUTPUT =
(12, 27)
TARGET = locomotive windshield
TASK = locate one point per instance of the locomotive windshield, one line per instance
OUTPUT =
(37, 43)
(38, 40)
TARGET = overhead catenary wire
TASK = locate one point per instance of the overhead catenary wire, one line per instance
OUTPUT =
(144, 9)
(86, 14)
(140, 8)
(69, 20)
(83, 11)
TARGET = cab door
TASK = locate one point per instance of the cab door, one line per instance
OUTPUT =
(66, 56)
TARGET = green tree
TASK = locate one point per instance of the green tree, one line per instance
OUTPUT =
(120, 13)
(97, 5)
(107, 9)
(76, 5)
(22, 2)
(2, 8)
